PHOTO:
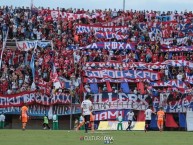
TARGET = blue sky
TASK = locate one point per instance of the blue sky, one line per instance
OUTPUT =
(161, 5)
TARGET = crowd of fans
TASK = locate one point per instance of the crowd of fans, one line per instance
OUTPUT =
(36, 24)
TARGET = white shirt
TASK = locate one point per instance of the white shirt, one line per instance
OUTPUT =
(14, 28)
(148, 113)
(179, 77)
(2, 117)
(166, 72)
(55, 118)
(39, 35)
(130, 115)
(120, 118)
(86, 105)
(26, 78)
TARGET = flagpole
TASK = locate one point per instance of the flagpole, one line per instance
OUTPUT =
(4, 45)
(32, 4)
(71, 95)
(123, 5)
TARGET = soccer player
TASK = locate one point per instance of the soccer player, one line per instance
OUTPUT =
(24, 116)
(86, 111)
(160, 119)
(46, 122)
(148, 113)
(131, 116)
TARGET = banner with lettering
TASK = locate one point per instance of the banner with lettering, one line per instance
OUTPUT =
(111, 114)
(19, 99)
(170, 83)
(130, 65)
(162, 31)
(180, 40)
(110, 35)
(110, 45)
(94, 28)
(130, 74)
(41, 110)
(140, 65)
(107, 101)
(167, 48)
(59, 14)
(179, 63)
(28, 45)
(95, 80)
(185, 27)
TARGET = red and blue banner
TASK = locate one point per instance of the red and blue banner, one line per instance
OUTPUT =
(109, 101)
(16, 100)
(169, 83)
(41, 110)
(56, 14)
(94, 28)
(116, 74)
(167, 48)
(110, 45)
(110, 35)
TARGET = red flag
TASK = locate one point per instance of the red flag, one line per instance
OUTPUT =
(109, 89)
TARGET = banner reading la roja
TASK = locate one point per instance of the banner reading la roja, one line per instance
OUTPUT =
(110, 45)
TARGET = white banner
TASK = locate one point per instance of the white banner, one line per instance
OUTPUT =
(28, 45)
(189, 120)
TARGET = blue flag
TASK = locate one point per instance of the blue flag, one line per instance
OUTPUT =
(125, 87)
(94, 88)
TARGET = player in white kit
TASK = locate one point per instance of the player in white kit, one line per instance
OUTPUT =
(86, 111)
(148, 114)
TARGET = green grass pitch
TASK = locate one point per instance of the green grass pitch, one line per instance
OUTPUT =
(64, 137)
